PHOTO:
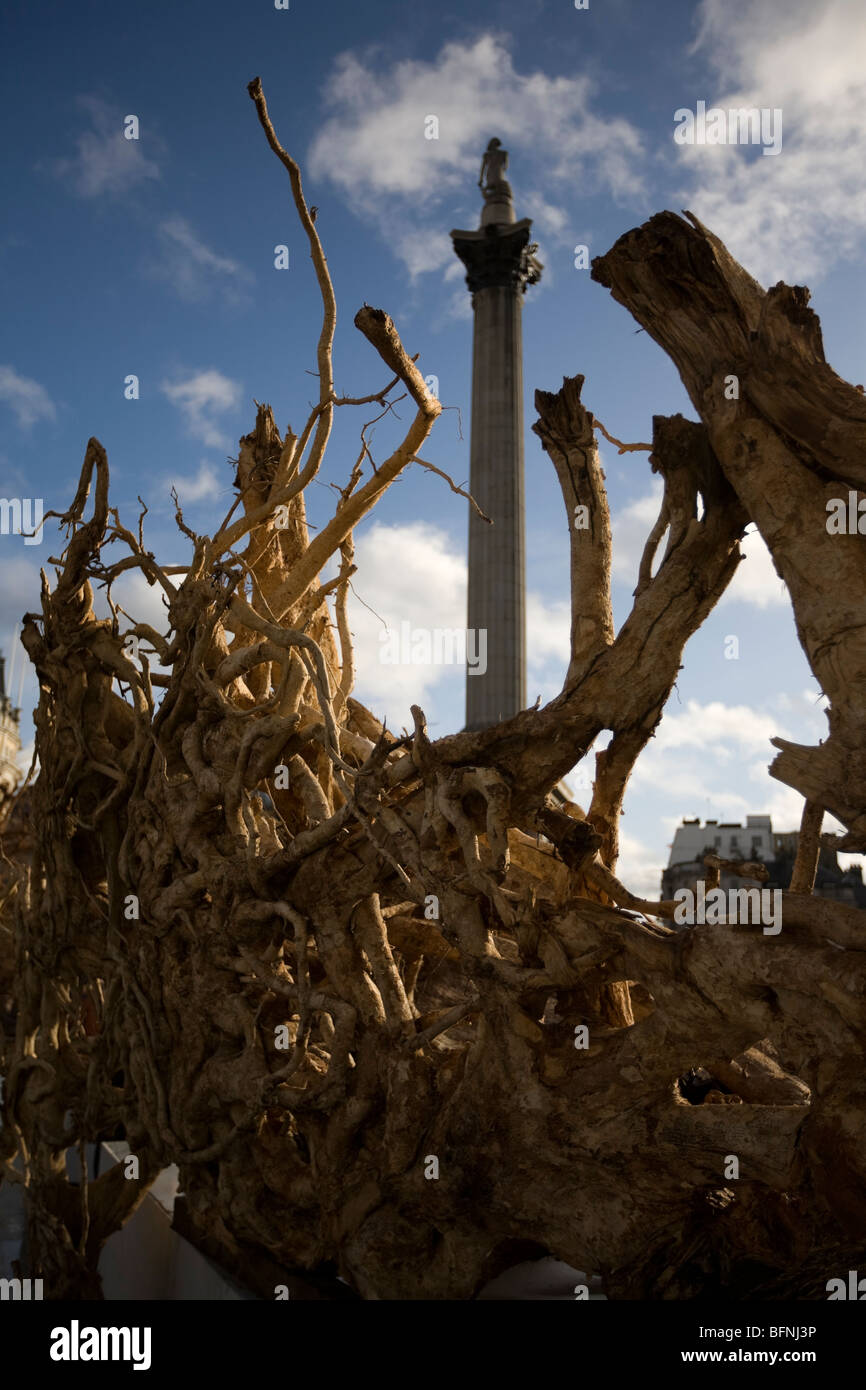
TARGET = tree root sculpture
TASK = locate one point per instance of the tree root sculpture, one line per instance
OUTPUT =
(382, 999)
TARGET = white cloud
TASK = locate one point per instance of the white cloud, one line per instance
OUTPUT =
(141, 603)
(373, 147)
(713, 726)
(145, 603)
(19, 593)
(192, 268)
(199, 398)
(29, 400)
(639, 867)
(548, 217)
(630, 525)
(205, 483)
(548, 640)
(712, 760)
(755, 580)
(783, 803)
(25, 757)
(704, 758)
(422, 250)
(793, 215)
(431, 593)
(548, 627)
(456, 304)
(106, 162)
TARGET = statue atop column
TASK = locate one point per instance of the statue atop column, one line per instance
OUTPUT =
(496, 189)
(499, 254)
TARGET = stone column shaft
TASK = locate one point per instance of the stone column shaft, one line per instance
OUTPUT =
(500, 264)
(497, 568)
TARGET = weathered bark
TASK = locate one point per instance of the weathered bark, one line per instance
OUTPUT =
(304, 989)
(792, 440)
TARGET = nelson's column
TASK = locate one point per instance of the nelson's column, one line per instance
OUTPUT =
(500, 263)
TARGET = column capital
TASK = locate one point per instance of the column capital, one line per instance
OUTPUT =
(499, 255)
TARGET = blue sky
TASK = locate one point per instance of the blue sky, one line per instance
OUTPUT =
(156, 257)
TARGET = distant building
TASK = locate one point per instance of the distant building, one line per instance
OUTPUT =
(10, 739)
(756, 840)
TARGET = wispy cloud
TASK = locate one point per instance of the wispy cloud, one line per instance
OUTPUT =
(373, 148)
(30, 401)
(200, 397)
(193, 268)
(205, 483)
(793, 216)
(716, 728)
(712, 758)
(105, 161)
